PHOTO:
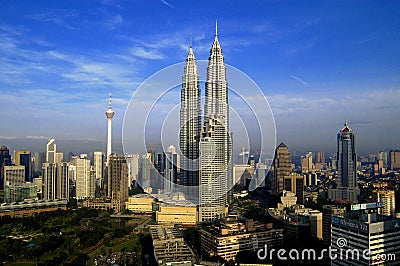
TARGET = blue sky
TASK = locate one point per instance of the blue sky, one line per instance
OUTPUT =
(318, 62)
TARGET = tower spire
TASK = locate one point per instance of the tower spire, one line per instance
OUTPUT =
(216, 28)
(109, 102)
(190, 40)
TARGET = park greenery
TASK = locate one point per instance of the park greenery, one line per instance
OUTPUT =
(70, 237)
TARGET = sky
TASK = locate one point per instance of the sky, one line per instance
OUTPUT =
(319, 63)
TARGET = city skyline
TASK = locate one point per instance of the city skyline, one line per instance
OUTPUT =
(317, 66)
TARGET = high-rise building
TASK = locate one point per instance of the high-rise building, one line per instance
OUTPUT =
(109, 115)
(394, 159)
(347, 188)
(99, 167)
(5, 159)
(14, 175)
(190, 124)
(55, 181)
(282, 166)
(295, 183)
(85, 183)
(307, 163)
(145, 171)
(117, 181)
(39, 159)
(387, 197)
(23, 157)
(133, 168)
(170, 171)
(327, 212)
(51, 151)
(216, 140)
(320, 161)
(367, 234)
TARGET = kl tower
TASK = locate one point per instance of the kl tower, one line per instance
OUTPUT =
(109, 115)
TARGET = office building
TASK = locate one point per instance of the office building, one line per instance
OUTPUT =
(5, 159)
(140, 203)
(39, 159)
(14, 175)
(190, 125)
(85, 182)
(327, 212)
(51, 151)
(320, 161)
(366, 231)
(23, 157)
(216, 167)
(394, 160)
(295, 183)
(387, 197)
(20, 192)
(99, 167)
(229, 238)
(133, 168)
(117, 181)
(55, 181)
(347, 187)
(282, 166)
(170, 247)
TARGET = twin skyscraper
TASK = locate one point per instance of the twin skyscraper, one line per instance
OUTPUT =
(205, 141)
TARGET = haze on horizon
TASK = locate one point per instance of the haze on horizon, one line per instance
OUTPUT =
(318, 63)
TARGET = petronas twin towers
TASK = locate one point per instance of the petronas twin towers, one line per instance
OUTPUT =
(206, 161)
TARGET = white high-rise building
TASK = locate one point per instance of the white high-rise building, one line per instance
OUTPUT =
(216, 140)
(84, 182)
(51, 151)
(109, 115)
(99, 167)
(132, 161)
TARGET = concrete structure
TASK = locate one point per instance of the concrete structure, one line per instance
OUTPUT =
(216, 140)
(227, 239)
(288, 199)
(190, 125)
(14, 175)
(51, 150)
(23, 157)
(298, 222)
(361, 231)
(347, 187)
(176, 212)
(169, 246)
(327, 212)
(387, 197)
(117, 181)
(20, 192)
(24, 209)
(98, 161)
(133, 168)
(140, 203)
(282, 166)
(5, 160)
(294, 182)
(55, 181)
(85, 182)
(394, 159)
(109, 115)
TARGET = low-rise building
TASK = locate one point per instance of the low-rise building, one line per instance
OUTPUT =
(169, 246)
(228, 238)
(140, 203)
(176, 212)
